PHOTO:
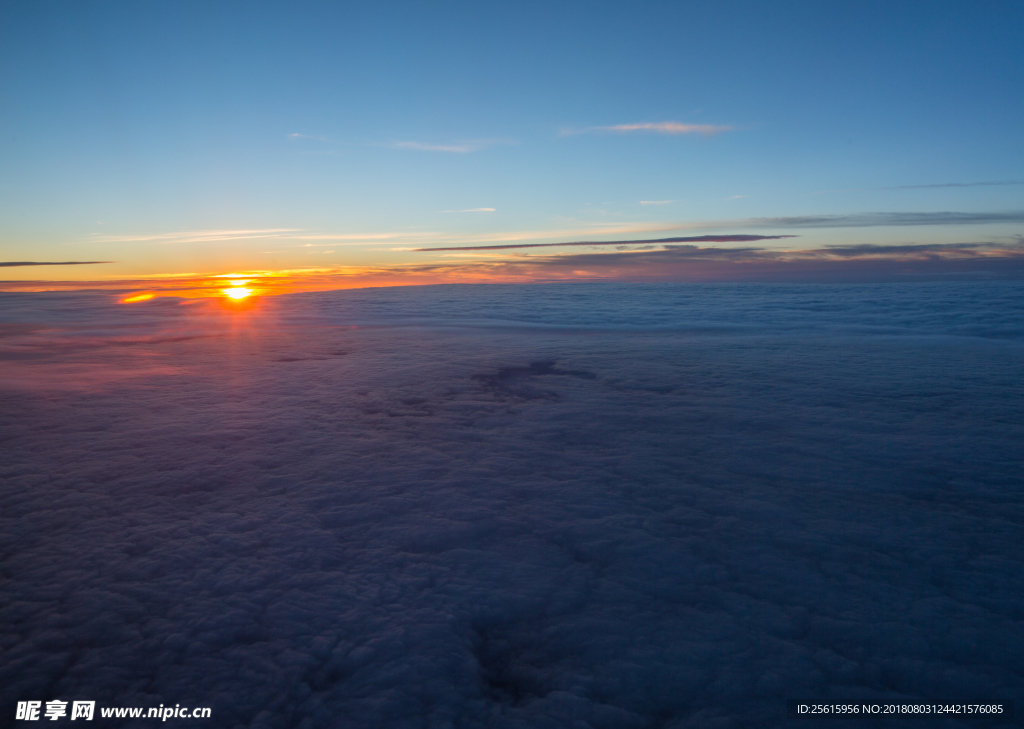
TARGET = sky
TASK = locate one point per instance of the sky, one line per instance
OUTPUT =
(714, 400)
(177, 140)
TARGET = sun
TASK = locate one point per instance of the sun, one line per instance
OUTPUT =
(238, 292)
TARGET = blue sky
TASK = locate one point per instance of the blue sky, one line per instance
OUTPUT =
(342, 134)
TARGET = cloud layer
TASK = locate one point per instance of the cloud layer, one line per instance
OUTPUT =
(570, 505)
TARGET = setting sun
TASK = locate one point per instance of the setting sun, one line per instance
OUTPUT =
(238, 293)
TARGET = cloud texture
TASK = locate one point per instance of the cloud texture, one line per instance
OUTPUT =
(587, 505)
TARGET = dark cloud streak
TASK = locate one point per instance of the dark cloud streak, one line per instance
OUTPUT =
(834, 264)
(689, 239)
(872, 220)
(8, 264)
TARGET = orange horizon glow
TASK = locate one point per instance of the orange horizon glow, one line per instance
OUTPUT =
(244, 286)
(238, 286)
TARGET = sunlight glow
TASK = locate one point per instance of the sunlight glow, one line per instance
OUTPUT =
(135, 298)
(237, 293)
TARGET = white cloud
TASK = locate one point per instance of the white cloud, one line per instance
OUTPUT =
(656, 202)
(472, 210)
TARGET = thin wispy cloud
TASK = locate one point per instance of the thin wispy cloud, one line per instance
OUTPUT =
(596, 229)
(455, 147)
(355, 238)
(956, 184)
(656, 202)
(465, 147)
(423, 147)
(940, 185)
(666, 127)
(670, 127)
(197, 236)
(584, 232)
(212, 236)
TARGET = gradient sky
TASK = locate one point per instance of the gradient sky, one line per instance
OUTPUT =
(208, 138)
